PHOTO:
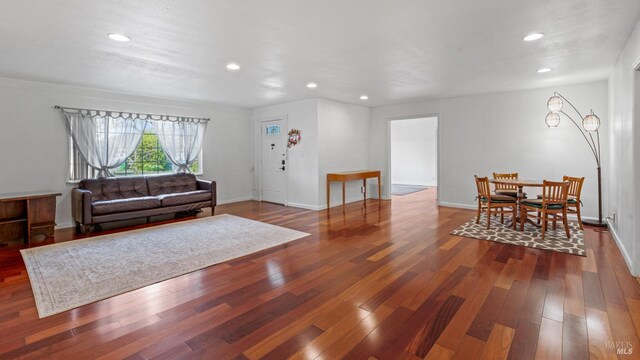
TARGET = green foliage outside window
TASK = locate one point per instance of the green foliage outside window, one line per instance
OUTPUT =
(149, 158)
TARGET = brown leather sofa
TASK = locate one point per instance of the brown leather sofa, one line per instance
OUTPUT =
(97, 201)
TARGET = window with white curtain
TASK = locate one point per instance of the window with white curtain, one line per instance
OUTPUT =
(107, 143)
(148, 159)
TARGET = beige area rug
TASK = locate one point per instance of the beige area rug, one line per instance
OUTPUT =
(67, 275)
(530, 237)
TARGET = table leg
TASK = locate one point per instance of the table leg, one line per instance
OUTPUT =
(343, 193)
(364, 193)
(520, 193)
(328, 194)
(518, 200)
(379, 189)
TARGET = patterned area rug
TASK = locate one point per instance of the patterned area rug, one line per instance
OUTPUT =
(399, 190)
(67, 275)
(530, 237)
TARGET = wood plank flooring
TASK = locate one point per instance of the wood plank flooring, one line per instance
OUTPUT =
(382, 282)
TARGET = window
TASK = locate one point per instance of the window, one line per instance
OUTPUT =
(273, 130)
(147, 159)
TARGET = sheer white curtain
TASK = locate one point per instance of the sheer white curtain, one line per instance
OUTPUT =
(181, 140)
(105, 139)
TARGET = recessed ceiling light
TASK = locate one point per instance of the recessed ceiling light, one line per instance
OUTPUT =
(118, 37)
(544, 70)
(364, 97)
(312, 85)
(233, 66)
(533, 37)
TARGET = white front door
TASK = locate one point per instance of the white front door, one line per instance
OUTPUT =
(274, 161)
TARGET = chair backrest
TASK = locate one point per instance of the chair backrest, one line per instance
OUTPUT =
(513, 176)
(575, 185)
(554, 192)
(483, 187)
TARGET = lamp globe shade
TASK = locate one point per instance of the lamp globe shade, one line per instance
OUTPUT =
(591, 122)
(552, 119)
(554, 104)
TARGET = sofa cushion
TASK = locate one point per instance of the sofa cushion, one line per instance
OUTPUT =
(94, 186)
(124, 205)
(116, 188)
(571, 199)
(171, 184)
(500, 199)
(537, 203)
(185, 197)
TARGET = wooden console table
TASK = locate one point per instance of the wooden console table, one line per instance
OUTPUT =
(27, 214)
(349, 176)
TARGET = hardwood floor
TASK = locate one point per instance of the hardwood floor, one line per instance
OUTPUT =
(385, 282)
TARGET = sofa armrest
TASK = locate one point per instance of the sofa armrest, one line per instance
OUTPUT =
(81, 205)
(209, 186)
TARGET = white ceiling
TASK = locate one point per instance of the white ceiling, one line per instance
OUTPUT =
(394, 51)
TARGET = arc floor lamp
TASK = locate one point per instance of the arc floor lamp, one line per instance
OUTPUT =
(590, 126)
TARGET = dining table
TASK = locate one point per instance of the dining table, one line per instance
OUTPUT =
(520, 184)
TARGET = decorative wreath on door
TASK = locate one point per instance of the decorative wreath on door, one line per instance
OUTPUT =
(294, 137)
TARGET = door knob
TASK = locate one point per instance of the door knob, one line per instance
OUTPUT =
(282, 168)
(282, 162)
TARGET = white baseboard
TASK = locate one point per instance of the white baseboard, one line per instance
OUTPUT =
(229, 201)
(414, 184)
(64, 226)
(305, 206)
(324, 207)
(457, 206)
(623, 250)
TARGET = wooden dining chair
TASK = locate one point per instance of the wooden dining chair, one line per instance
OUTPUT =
(494, 204)
(573, 197)
(503, 189)
(552, 206)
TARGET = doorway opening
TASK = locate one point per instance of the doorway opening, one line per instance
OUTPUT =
(413, 155)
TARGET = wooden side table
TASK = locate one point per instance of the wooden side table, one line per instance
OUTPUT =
(27, 214)
(349, 176)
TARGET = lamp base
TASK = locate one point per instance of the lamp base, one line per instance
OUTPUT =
(594, 223)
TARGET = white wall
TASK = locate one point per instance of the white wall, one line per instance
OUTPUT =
(501, 132)
(302, 159)
(34, 147)
(343, 145)
(414, 149)
(334, 138)
(623, 164)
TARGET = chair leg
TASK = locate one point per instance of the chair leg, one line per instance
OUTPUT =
(515, 216)
(479, 211)
(502, 215)
(538, 217)
(488, 218)
(544, 224)
(579, 217)
(554, 223)
(564, 221)
(523, 216)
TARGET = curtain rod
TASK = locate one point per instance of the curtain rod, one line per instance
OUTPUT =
(126, 112)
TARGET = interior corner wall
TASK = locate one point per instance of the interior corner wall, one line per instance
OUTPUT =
(501, 132)
(623, 165)
(34, 141)
(302, 159)
(343, 145)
